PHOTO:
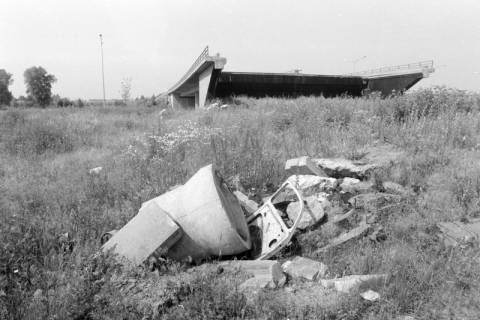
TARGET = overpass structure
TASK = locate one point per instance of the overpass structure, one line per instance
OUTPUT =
(206, 80)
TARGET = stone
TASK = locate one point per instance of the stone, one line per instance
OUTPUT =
(374, 158)
(352, 234)
(266, 273)
(151, 231)
(304, 268)
(348, 283)
(374, 200)
(310, 184)
(250, 206)
(355, 186)
(313, 212)
(457, 232)
(370, 295)
(304, 166)
(95, 171)
(342, 168)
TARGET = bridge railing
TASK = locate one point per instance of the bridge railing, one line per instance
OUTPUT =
(421, 65)
(201, 58)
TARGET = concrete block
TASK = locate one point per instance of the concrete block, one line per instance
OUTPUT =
(303, 165)
(150, 231)
(266, 273)
(310, 184)
(313, 212)
(355, 186)
(304, 268)
(348, 283)
(370, 295)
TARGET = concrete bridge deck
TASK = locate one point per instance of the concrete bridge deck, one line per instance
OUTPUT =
(205, 80)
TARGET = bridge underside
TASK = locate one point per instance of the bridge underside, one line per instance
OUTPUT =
(206, 80)
(285, 85)
(388, 84)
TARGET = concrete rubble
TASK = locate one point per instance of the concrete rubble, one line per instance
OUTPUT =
(338, 198)
(349, 283)
(458, 232)
(95, 171)
(312, 215)
(356, 186)
(150, 232)
(265, 273)
(374, 200)
(372, 159)
(370, 295)
(303, 166)
(304, 268)
(202, 219)
(309, 184)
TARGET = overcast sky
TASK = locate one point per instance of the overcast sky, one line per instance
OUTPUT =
(154, 42)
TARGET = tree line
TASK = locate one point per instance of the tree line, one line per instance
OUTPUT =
(38, 83)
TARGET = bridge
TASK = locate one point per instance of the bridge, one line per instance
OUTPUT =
(192, 90)
(206, 80)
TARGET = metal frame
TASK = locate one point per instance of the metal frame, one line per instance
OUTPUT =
(285, 235)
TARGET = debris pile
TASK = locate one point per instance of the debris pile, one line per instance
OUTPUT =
(203, 219)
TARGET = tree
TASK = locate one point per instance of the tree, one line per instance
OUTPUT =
(5, 81)
(125, 88)
(39, 85)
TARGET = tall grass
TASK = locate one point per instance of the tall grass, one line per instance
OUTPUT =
(46, 191)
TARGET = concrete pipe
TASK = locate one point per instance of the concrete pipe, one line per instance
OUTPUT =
(209, 215)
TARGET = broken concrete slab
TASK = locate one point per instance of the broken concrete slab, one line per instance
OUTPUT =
(374, 200)
(313, 212)
(457, 232)
(304, 268)
(266, 273)
(210, 216)
(342, 168)
(309, 295)
(310, 184)
(348, 283)
(303, 166)
(352, 234)
(374, 158)
(150, 232)
(248, 205)
(370, 295)
(356, 186)
(95, 171)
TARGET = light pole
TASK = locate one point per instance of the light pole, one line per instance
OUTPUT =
(355, 61)
(103, 73)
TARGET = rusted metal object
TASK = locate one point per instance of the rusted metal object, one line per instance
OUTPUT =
(269, 232)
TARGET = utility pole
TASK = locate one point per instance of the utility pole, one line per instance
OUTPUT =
(103, 73)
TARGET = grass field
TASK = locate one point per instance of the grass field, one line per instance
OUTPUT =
(46, 190)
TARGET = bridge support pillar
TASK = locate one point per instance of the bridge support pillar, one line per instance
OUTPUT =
(203, 85)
